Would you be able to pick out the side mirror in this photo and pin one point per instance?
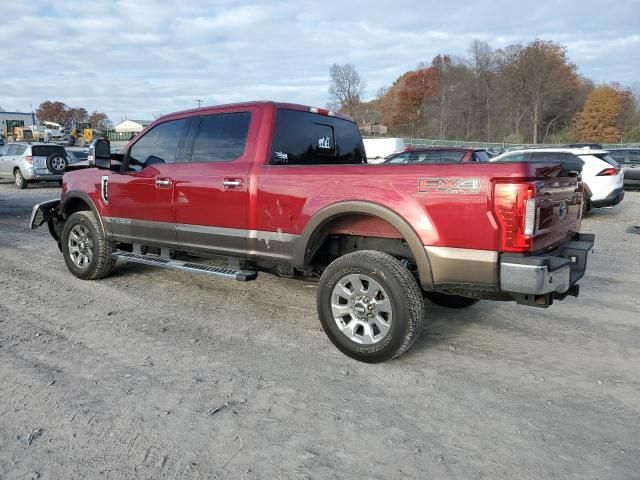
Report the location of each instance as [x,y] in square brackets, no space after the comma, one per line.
[100,154]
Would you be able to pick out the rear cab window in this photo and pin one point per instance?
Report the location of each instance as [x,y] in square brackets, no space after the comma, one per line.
[306,138]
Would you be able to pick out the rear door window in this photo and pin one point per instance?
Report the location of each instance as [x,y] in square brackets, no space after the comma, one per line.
[13,149]
[514,157]
[437,156]
[451,156]
[634,156]
[221,137]
[306,138]
[399,158]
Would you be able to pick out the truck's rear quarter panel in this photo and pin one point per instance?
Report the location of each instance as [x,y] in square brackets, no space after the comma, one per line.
[447,205]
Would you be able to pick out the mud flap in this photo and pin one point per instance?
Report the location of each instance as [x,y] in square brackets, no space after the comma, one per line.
[48,212]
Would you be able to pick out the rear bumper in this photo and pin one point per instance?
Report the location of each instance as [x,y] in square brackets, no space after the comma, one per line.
[538,280]
[610,200]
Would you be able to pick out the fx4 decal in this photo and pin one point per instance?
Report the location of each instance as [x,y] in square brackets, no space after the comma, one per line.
[454,186]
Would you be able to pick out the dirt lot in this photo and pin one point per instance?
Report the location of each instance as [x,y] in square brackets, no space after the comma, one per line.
[160,374]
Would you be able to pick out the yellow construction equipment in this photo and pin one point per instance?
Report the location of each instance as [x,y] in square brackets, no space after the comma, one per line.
[12,129]
[81,134]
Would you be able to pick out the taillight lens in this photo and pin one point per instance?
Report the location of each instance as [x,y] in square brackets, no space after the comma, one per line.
[515,209]
[29,159]
[607,172]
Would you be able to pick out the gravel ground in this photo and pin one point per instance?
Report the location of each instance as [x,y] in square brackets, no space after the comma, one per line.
[160,374]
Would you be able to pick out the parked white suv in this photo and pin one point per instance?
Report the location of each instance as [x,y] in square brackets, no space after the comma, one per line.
[602,175]
[26,162]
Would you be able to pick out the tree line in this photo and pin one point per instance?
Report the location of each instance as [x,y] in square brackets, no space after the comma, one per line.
[66,116]
[528,93]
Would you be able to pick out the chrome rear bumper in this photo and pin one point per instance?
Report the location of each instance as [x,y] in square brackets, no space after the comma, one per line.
[552,275]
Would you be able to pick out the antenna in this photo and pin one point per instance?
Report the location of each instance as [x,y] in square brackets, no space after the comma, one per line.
[198,101]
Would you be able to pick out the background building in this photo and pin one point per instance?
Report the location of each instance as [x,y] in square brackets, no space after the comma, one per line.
[131,126]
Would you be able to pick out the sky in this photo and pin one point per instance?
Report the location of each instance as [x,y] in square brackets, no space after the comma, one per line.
[139,59]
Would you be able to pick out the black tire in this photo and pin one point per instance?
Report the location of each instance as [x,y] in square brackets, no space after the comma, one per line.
[19,180]
[450,301]
[400,288]
[57,163]
[101,262]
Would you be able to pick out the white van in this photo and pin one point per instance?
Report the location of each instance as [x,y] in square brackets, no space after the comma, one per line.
[380,148]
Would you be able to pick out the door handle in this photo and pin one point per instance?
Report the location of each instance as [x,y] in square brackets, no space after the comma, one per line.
[232,183]
[163,183]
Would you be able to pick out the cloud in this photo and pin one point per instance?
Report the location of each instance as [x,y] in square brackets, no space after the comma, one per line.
[142,58]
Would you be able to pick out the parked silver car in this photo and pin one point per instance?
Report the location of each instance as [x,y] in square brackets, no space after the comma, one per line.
[33,162]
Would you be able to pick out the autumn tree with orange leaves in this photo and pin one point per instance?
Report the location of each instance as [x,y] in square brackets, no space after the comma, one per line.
[600,119]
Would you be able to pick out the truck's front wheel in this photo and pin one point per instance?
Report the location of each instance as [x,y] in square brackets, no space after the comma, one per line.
[86,251]
[370,306]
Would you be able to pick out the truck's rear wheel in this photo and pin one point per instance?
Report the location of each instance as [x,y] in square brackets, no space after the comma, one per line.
[450,301]
[370,306]
[86,251]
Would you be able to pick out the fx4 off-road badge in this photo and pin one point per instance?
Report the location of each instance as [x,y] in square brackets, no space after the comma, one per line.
[454,186]
[104,188]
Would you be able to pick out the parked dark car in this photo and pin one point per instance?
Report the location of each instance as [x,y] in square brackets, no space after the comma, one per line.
[2,142]
[439,155]
[629,159]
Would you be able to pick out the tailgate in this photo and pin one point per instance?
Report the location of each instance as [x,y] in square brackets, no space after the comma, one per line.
[558,206]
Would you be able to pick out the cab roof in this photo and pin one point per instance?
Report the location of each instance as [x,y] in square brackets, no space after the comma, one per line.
[260,103]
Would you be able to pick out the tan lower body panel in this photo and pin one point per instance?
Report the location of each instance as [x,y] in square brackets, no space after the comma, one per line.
[463,265]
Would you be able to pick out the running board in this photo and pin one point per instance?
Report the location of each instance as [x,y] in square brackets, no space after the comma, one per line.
[156,261]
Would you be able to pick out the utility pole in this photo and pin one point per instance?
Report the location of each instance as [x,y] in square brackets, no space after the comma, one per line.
[199,102]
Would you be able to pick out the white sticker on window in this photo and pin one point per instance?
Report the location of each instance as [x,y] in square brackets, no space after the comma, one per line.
[324,142]
[282,157]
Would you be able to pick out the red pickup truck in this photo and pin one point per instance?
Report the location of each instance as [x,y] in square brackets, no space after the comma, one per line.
[285,188]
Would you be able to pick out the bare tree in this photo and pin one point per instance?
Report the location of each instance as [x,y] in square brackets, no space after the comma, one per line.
[345,87]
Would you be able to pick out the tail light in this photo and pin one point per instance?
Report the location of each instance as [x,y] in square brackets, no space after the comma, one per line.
[322,111]
[515,209]
[607,172]
[29,159]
